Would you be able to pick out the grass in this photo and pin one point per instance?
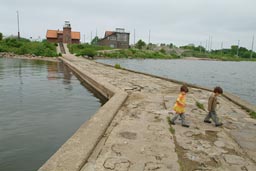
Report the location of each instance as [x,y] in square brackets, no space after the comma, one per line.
[118,66]
[253,114]
[200,105]
[171,129]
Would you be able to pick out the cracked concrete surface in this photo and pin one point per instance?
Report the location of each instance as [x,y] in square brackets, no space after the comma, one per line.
[139,139]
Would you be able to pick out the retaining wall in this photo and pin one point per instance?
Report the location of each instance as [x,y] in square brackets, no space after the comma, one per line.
[74,153]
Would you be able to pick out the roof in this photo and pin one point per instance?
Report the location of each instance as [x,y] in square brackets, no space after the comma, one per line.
[75,35]
[108,33]
[54,33]
[51,33]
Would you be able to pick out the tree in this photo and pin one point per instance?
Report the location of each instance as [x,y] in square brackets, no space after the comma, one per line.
[140,44]
[1,36]
[171,45]
[95,40]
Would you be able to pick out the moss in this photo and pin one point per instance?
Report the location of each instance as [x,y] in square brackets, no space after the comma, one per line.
[171,129]
[200,105]
[253,114]
[117,66]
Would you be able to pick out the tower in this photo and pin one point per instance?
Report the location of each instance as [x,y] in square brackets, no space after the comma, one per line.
[67,33]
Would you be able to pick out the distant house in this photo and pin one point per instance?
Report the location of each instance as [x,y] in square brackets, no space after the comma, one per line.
[115,39]
[65,36]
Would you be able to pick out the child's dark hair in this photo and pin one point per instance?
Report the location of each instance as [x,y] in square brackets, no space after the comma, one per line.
[218,90]
[184,88]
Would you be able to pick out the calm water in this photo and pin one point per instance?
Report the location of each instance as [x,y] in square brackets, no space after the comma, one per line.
[236,77]
[42,105]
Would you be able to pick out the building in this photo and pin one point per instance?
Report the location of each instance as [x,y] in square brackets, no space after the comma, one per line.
[64,36]
[115,39]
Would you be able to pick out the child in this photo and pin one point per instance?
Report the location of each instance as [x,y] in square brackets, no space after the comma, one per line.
[212,104]
[179,106]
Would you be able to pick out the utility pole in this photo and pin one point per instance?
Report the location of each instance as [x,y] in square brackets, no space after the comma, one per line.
[205,46]
[133,36]
[149,36]
[84,38]
[238,48]
[91,36]
[221,48]
[200,46]
[252,45]
[18,21]
[209,44]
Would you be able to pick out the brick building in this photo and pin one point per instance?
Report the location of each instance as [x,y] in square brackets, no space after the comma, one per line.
[115,39]
[64,36]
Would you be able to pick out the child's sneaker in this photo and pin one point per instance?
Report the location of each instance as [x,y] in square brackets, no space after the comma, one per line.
[218,124]
[173,123]
[207,121]
[185,125]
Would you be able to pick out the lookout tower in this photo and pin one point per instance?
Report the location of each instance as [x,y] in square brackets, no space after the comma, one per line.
[67,32]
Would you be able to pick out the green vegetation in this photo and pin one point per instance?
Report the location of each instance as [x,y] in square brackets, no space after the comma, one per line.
[200,105]
[136,53]
[117,66]
[232,54]
[140,44]
[162,51]
[95,40]
[253,114]
[24,46]
[171,129]
[85,49]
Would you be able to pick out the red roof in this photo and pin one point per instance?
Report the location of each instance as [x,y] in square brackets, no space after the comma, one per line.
[108,33]
[75,35]
[53,34]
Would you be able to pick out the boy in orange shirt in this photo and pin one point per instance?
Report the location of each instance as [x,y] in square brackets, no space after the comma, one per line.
[179,106]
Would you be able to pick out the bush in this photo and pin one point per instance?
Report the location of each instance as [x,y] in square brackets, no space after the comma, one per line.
[88,52]
[117,66]
[24,46]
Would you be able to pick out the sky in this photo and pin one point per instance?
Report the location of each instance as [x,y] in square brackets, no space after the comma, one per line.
[221,22]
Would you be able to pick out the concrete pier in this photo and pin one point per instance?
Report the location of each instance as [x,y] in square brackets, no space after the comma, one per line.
[131,132]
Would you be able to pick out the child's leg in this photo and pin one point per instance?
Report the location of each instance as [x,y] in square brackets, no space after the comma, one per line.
[175,117]
[215,119]
[183,122]
[208,117]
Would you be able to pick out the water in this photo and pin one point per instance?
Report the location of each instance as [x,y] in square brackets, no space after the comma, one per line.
[42,105]
[236,77]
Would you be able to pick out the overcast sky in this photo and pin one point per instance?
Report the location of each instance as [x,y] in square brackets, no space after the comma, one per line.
[166,21]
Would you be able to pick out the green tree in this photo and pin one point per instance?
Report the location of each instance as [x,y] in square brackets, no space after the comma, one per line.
[1,36]
[140,44]
[95,40]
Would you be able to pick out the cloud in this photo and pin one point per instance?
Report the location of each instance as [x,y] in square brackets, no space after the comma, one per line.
[177,21]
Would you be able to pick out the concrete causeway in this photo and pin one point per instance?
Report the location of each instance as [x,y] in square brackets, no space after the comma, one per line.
[131,132]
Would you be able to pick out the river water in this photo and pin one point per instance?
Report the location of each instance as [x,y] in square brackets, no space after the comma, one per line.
[238,78]
[42,105]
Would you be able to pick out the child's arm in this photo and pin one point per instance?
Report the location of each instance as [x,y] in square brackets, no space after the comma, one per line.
[180,101]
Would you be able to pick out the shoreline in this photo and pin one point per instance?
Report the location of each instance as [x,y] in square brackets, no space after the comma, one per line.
[31,57]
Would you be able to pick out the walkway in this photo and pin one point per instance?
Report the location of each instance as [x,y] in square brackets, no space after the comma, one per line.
[140,138]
